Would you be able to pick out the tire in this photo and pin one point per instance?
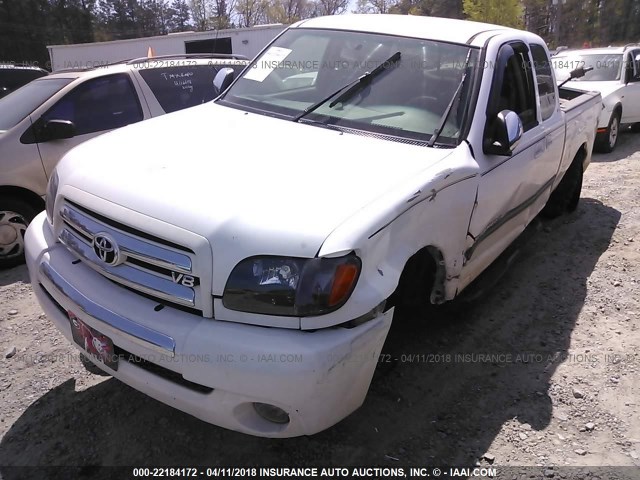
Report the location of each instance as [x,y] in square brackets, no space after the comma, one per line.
[15,216]
[566,196]
[607,141]
[413,295]
[90,367]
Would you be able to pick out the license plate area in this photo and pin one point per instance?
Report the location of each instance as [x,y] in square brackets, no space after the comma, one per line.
[95,343]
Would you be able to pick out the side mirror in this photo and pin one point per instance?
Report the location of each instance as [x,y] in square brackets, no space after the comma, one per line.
[507,133]
[223,79]
[57,130]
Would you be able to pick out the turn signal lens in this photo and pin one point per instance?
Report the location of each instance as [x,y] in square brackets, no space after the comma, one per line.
[343,281]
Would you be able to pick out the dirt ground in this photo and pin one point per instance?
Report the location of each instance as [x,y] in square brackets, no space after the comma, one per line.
[564,322]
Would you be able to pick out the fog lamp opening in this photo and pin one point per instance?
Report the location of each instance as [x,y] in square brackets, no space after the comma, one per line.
[271,413]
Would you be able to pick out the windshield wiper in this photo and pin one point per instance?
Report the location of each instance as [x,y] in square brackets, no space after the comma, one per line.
[447,112]
[353,87]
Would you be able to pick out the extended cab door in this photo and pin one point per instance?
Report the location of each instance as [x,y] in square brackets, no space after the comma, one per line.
[513,187]
[95,106]
[551,119]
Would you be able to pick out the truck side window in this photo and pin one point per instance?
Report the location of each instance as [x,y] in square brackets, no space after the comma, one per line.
[517,92]
[544,78]
[102,103]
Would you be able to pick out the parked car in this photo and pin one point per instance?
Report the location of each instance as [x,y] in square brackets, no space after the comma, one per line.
[14,76]
[255,290]
[43,120]
[616,75]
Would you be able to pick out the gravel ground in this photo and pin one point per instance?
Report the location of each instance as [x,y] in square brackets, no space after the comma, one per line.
[563,391]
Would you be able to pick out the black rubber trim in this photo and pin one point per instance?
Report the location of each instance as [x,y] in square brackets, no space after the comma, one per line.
[514,212]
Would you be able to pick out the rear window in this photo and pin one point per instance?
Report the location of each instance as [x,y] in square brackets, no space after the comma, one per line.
[13,78]
[183,86]
[606,67]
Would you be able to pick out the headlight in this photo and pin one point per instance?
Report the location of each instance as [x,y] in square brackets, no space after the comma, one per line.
[52,191]
[290,286]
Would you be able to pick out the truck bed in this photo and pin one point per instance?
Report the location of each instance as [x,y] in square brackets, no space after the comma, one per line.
[581,110]
[571,98]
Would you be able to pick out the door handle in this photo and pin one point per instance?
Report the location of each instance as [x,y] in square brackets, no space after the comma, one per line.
[539,151]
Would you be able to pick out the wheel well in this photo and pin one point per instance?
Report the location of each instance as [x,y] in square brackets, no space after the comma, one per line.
[22,193]
[618,109]
[581,155]
[424,272]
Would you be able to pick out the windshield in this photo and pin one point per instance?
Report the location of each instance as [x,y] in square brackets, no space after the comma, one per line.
[406,99]
[17,105]
[606,67]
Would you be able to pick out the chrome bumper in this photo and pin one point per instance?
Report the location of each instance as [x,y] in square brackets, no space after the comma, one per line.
[111,323]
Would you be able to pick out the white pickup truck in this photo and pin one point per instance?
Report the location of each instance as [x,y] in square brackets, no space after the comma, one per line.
[242,260]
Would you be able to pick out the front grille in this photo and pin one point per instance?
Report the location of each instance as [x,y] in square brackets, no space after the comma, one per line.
[155,267]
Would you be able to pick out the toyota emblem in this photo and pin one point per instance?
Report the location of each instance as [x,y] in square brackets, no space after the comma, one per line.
[106,249]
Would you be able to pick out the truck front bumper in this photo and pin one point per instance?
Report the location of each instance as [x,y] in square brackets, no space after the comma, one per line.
[214,370]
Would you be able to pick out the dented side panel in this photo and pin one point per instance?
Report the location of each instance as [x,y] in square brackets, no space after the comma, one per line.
[432,209]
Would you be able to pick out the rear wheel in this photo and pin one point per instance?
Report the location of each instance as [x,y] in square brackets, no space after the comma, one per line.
[608,140]
[15,216]
[566,196]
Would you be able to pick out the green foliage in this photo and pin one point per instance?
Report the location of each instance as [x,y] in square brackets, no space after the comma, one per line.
[432,8]
[374,6]
[499,12]
[28,26]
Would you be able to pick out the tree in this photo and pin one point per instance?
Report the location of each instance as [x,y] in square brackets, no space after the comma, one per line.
[288,11]
[153,17]
[178,16]
[250,12]
[499,12]
[432,8]
[374,6]
[200,14]
[537,16]
[221,14]
[330,7]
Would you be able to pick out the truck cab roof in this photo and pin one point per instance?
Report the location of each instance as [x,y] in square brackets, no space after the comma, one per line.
[444,29]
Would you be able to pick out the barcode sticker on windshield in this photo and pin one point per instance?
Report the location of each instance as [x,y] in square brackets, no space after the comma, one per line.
[267,63]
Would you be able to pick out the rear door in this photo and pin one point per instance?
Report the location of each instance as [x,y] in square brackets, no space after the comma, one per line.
[551,119]
[95,106]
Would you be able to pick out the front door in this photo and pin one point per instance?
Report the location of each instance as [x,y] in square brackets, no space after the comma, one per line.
[95,107]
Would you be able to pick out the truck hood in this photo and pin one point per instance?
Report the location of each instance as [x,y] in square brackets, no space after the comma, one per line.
[229,175]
